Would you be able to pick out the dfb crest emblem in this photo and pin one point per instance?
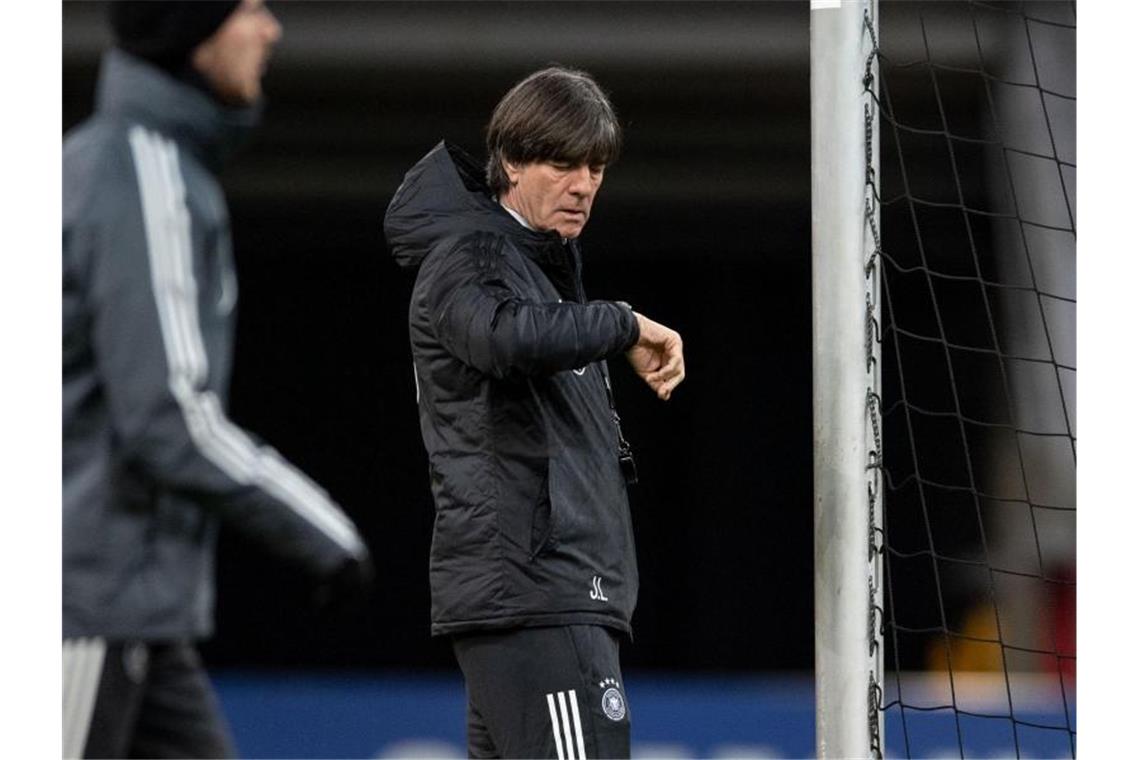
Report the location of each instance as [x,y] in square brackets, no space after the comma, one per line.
[613,703]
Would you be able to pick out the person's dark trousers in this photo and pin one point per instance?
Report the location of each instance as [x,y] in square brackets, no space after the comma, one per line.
[552,692]
[139,699]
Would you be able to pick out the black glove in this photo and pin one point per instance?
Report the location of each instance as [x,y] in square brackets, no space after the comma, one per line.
[346,589]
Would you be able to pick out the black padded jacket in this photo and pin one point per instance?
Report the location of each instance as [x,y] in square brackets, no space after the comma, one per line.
[532,522]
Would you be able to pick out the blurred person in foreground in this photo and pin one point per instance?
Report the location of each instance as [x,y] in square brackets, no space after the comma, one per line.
[533,571]
[151,464]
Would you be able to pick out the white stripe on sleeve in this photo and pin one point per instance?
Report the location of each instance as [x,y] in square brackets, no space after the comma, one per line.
[169,247]
[185,287]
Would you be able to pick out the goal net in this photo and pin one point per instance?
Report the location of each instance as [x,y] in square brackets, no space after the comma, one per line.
[975,256]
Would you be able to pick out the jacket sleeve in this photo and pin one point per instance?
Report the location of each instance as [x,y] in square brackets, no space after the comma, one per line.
[153,365]
[481,321]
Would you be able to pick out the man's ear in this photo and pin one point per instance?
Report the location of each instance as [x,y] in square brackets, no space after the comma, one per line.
[512,171]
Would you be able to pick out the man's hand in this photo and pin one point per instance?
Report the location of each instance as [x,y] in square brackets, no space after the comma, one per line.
[657,357]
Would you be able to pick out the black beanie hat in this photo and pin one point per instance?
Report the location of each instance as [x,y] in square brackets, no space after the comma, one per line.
[165,32]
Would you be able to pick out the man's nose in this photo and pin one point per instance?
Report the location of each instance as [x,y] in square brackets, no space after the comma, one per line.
[272,27]
[581,183]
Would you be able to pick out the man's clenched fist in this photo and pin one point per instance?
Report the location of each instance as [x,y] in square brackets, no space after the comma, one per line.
[657,356]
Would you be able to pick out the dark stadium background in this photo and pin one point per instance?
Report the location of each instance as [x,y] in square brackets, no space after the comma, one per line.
[704,224]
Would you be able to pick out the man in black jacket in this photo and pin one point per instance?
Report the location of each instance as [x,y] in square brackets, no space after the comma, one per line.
[533,570]
[152,466]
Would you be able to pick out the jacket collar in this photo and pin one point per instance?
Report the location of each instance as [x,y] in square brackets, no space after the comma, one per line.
[132,88]
[545,247]
[444,196]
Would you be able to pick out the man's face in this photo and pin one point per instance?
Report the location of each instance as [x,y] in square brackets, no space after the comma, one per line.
[234,58]
[553,195]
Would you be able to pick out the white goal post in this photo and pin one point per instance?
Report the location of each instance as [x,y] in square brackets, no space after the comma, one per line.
[845,379]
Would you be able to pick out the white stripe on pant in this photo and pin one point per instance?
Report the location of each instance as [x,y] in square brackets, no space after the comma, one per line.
[577,725]
[82,669]
[572,732]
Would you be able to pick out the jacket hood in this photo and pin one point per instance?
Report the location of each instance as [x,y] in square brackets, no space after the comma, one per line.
[445,195]
[134,89]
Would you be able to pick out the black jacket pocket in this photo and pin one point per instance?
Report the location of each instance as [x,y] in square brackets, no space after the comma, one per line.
[542,522]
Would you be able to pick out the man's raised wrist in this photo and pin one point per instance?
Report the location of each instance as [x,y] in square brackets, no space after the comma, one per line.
[636,325]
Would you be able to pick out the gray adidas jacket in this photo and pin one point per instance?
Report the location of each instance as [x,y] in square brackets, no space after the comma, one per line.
[151,464]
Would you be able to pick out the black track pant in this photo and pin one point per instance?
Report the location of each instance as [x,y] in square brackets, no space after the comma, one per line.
[139,699]
[544,693]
